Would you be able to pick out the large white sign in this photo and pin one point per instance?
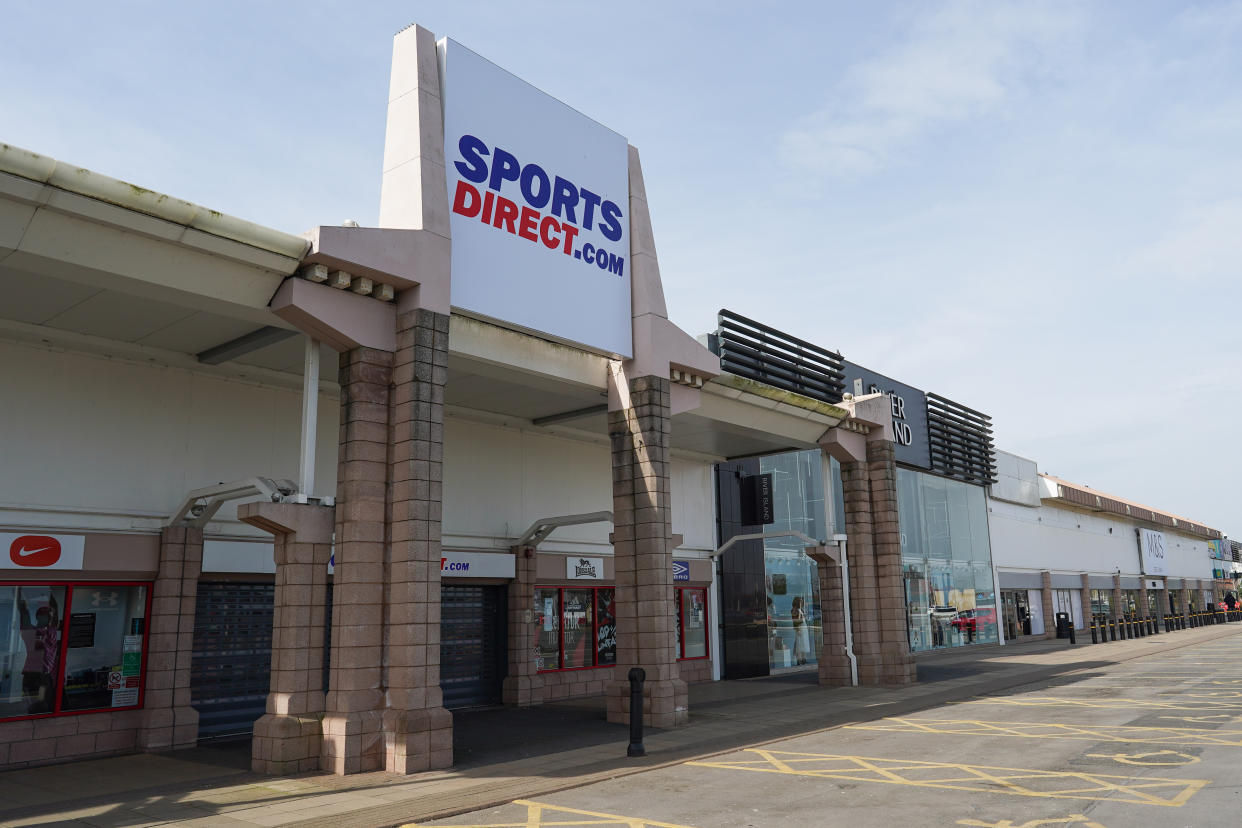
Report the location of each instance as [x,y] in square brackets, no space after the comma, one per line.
[1154,560]
[477,565]
[539,207]
[33,551]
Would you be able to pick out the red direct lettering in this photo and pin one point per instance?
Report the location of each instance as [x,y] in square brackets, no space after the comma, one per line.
[526,227]
[506,213]
[466,201]
[570,232]
[546,228]
[489,200]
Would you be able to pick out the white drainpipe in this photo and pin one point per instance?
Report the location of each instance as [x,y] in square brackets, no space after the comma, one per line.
[845,599]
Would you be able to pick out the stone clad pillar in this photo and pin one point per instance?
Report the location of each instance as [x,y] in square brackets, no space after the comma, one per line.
[352,739]
[1050,616]
[418,730]
[1119,611]
[896,663]
[1086,601]
[168,720]
[642,546]
[288,737]
[834,664]
[523,686]
[864,599]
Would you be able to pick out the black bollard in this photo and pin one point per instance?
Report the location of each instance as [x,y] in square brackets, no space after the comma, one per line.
[1070,627]
[637,676]
[1094,638]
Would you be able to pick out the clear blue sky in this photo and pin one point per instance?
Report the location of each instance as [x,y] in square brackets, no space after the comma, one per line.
[1033,208]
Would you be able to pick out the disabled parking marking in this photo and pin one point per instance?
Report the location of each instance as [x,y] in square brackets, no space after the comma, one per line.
[1171,758]
[1172,793]
[535,818]
[1008,823]
[1058,730]
[1111,704]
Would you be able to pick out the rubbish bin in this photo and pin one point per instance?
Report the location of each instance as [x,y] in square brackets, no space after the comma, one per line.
[1064,625]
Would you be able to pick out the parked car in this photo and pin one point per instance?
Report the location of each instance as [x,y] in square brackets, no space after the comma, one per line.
[972,620]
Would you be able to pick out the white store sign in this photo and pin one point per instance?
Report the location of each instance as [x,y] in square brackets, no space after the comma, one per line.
[33,551]
[539,207]
[588,569]
[1152,545]
[477,565]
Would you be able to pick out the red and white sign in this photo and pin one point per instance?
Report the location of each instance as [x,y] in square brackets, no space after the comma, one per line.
[115,680]
[41,551]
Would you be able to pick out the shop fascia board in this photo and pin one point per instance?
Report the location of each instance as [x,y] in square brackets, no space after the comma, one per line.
[521,353]
[732,407]
[130,200]
[40,336]
[106,257]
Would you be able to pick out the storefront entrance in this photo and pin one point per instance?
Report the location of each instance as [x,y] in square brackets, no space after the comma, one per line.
[232,658]
[1017,609]
[473,646]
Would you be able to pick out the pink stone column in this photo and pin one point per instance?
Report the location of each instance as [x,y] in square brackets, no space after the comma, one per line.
[642,548]
[1118,610]
[1050,616]
[523,686]
[352,733]
[834,665]
[288,737]
[897,665]
[168,720]
[1085,580]
[418,730]
[864,597]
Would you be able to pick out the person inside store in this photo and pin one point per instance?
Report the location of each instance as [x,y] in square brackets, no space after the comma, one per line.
[42,640]
[1231,601]
[802,635]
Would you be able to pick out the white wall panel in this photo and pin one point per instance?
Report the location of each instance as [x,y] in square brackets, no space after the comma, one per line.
[1048,537]
[107,436]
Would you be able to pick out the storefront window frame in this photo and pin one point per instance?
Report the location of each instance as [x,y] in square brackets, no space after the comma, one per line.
[681,624]
[69,586]
[560,626]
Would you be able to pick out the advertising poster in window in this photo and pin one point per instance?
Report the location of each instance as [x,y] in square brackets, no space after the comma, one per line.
[606,635]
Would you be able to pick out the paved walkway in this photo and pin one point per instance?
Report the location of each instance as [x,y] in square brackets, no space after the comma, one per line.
[510,754]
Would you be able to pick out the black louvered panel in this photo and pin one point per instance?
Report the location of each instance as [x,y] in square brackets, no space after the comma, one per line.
[473,649]
[232,656]
[960,440]
[756,352]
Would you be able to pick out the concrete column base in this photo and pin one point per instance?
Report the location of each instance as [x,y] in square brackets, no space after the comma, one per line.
[284,745]
[168,728]
[834,671]
[417,740]
[352,743]
[522,691]
[666,703]
[897,666]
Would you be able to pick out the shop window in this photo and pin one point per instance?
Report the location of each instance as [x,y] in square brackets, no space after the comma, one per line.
[71,648]
[691,628]
[576,628]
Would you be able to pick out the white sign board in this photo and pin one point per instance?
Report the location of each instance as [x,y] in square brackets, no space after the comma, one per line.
[31,551]
[1154,585]
[477,565]
[539,207]
[589,569]
[1152,545]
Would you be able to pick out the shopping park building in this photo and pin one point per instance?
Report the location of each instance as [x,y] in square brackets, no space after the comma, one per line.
[329,488]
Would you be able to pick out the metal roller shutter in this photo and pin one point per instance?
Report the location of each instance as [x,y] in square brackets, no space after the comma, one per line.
[232,656]
[473,649]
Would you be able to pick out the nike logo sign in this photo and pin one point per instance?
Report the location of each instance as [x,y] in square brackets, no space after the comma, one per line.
[24,553]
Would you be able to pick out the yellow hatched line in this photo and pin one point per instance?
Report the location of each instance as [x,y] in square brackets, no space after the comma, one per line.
[976,778]
[1030,730]
[535,818]
[1051,701]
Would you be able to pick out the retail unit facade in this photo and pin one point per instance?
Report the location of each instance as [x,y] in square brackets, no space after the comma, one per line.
[936,589]
[327,485]
[1060,547]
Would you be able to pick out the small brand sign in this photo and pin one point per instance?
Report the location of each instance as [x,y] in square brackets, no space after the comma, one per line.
[589,569]
[681,570]
[476,565]
[41,551]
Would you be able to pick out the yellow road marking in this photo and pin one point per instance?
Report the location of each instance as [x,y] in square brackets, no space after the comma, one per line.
[1007,823]
[535,818]
[1120,704]
[975,778]
[1228,717]
[1041,730]
[1137,758]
